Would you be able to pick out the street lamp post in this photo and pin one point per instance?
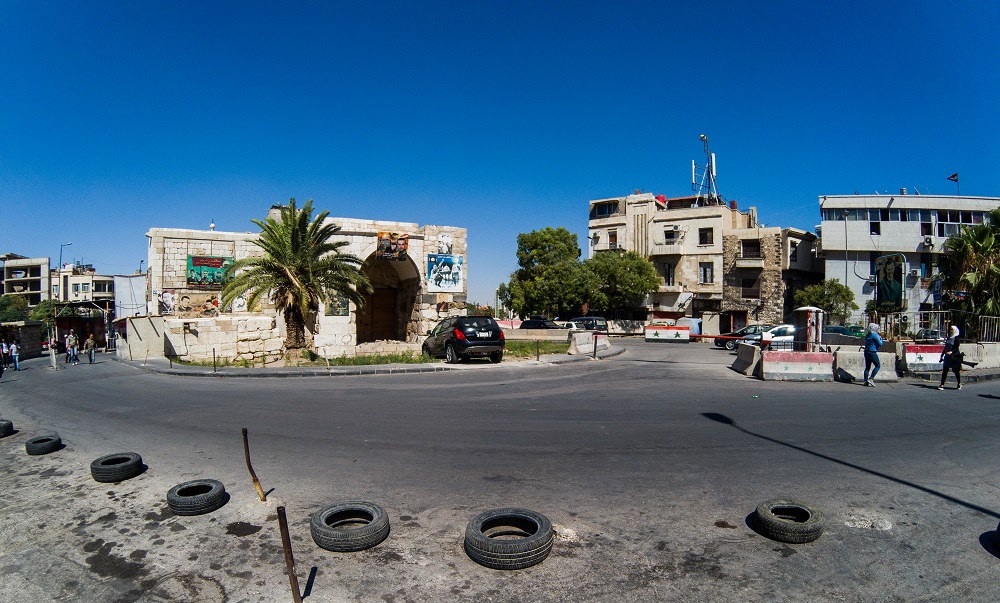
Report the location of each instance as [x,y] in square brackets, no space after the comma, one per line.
[62,293]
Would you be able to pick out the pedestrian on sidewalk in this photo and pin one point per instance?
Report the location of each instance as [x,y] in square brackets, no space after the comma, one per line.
[15,352]
[952,357]
[4,354]
[90,347]
[873,341]
[71,346]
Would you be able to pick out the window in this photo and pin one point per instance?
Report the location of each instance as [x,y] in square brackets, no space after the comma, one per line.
[76,288]
[875,228]
[794,256]
[55,290]
[603,210]
[668,274]
[85,287]
[612,239]
[706,236]
[926,265]
[926,229]
[872,256]
[669,235]
[706,274]
[750,288]
[751,249]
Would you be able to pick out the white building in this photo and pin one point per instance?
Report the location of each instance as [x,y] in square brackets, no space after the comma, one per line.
[25,276]
[857,229]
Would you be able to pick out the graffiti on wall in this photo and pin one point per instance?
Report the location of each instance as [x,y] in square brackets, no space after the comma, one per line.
[205,272]
[445,272]
[392,246]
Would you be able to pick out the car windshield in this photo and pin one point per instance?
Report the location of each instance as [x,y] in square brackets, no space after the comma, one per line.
[476,322]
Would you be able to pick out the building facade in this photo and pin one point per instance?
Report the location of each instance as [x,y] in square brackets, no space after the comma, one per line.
[80,282]
[418,275]
[857,229]
[25,276]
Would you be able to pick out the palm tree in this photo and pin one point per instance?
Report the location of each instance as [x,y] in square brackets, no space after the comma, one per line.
[972,264]
[301,266]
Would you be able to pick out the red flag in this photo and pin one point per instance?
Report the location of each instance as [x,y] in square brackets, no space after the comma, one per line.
[953,177]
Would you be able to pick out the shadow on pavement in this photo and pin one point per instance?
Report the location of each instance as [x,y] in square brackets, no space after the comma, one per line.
[990,541]
[309,583]
[720,418]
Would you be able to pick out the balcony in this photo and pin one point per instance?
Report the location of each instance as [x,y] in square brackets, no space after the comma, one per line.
[750,292]
[750,259]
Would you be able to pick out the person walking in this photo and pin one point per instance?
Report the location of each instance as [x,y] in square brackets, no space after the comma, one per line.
[4,354]
[71,345]
[15,352]
[952,357]
[90,347]
[873,341]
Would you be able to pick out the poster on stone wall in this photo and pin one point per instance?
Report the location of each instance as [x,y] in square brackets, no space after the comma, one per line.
[445,243]
[337,305]
[167,300]
[445,272]
[205,272]
[392,246]
[193,304]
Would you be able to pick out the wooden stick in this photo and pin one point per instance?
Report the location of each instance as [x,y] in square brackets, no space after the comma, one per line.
[286,543]
[246,453]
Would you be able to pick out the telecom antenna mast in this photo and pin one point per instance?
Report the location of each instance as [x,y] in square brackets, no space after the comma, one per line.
[703,179]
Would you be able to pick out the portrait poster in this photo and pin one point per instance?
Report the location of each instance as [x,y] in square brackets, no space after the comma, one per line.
[197,305]
[445,243]
[392,245]
[167,299]
[337,305]
[445,273]
[889,270]
[205,272]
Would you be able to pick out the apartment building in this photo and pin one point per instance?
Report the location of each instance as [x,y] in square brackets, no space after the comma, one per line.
[857,229]
[80,282]
[25,276]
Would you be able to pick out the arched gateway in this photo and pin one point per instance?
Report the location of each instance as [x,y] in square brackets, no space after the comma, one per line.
[389,308]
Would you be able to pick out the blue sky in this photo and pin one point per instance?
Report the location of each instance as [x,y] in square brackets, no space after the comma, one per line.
[500,117]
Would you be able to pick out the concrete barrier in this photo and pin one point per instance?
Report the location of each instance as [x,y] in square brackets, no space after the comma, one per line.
[747,360]
[675,334]
[850,366]
[582,343]
[537,334]
[797,366]
[922,357]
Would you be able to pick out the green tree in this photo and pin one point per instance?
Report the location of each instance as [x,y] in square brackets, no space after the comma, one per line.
[831,296]
[625,279]
[302,265]
[13,308]
[972,264]
[45,312]
[550,278]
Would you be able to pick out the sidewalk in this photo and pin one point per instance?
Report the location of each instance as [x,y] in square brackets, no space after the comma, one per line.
[969,376]
[164,366]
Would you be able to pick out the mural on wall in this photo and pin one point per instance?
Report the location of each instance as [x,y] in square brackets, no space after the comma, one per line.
[205,272]
[445,243]
[167,299]
[392,246]
[193,304]
[338,305]
[445,272]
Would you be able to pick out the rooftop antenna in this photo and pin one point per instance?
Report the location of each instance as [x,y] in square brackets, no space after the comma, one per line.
[703,179]
[212,225]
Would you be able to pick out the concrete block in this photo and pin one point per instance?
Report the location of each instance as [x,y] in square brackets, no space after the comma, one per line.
[747,360]
[797,366]
[849,366]
[922,357]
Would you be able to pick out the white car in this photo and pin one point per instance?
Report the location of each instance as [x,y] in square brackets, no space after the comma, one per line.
[778,337]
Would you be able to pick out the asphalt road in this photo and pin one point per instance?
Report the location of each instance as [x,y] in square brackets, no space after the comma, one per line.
[649,465]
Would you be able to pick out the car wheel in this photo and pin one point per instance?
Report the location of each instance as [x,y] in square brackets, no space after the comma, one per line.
[789,521]
[196,497]
[43,445]
[426,351]
[508,538]
[496,357]
[450,355]
[116,467]
[349,526]
[730,344]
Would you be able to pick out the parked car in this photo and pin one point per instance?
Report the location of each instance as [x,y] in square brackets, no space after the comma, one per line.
[730,344]
[592,323]
[837,329]
[780,336]
[459,338]
[856,330]
[543,323]
[928,336]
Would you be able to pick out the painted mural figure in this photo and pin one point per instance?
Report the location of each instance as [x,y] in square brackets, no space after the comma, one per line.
[445,272]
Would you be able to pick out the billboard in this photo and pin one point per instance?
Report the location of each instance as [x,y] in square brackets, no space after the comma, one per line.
[392,246]
[889,291]
[205,272]
[445,272]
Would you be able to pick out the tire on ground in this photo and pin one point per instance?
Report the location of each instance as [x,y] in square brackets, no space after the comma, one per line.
[509,538]
[450,355]
[789,521]
[196,497]
[6,428]
[116,467]
[349,526]
[43,444]
[496,357]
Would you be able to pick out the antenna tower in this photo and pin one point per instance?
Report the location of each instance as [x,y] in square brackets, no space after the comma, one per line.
[703,179]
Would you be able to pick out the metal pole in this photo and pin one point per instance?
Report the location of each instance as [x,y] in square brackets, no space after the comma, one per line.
[286,543]
[537,353]
[595,345]
[213,361]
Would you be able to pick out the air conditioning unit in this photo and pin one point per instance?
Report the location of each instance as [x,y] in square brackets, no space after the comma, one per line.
[928,241]
[914,273]
[675,227]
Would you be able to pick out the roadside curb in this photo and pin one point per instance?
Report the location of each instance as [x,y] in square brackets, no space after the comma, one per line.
[967,377]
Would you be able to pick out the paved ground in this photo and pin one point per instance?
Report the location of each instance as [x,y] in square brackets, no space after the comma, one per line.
[648,463]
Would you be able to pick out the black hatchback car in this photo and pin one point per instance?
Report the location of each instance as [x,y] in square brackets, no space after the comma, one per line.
[461,337]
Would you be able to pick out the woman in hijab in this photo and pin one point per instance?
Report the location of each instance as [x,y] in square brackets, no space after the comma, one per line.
[872,343]
[952,358]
